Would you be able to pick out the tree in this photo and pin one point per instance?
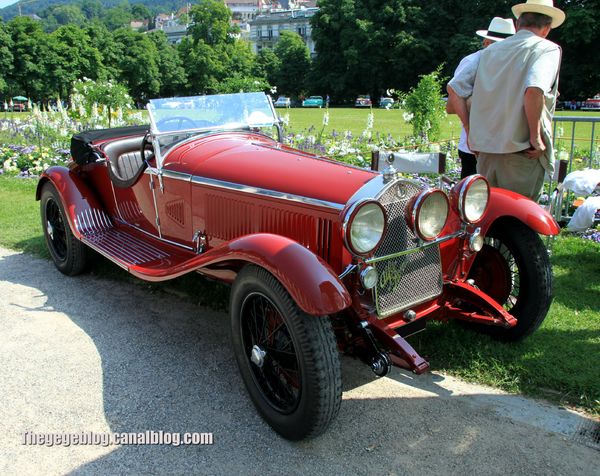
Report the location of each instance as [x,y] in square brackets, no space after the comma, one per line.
[266,65]
[138,63]
[6,57]
[173,77]
[139,11]
[211,23]
[294,58]
[68,15]
[71,56]
[91,8]
[368,46]
[103,41]
[117,17]
[211,53]
[28,75]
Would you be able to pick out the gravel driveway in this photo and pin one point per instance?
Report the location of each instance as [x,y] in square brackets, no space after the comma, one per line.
[86,354]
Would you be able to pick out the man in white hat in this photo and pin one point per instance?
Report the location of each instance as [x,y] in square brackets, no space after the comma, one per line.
[514,91]
[499,29]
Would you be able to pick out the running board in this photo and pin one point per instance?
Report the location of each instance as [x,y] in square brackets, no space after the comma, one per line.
[143,255]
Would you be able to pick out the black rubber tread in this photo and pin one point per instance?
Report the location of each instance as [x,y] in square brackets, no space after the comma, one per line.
[317,353]
[77,253]
[535,293]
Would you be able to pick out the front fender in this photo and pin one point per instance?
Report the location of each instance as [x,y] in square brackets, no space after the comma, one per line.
[505,203]
[77,198]
[308,279]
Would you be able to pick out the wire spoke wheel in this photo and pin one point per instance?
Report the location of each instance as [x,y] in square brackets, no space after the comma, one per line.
[513,267]
[277,370]
[55,230]
[68,253]
[288,359]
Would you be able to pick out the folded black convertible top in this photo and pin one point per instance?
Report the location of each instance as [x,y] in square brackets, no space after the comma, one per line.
[81,149]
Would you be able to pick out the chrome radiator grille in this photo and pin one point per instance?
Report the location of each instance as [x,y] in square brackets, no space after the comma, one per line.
[410,279]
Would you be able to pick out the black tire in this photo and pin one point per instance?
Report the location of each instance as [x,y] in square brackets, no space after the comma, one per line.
[298,386]
[68,253]
[514,268]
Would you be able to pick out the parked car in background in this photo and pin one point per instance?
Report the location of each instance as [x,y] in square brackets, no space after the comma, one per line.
[313,101]
[363,101]
[283,101]
[386,102]
[322,257]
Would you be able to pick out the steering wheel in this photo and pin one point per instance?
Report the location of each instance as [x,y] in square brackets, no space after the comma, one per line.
[177,123]
[145,143]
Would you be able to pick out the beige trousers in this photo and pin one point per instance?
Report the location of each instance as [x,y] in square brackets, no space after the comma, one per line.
[515,172]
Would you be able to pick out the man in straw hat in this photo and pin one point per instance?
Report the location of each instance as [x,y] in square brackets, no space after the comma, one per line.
[499,29]
[514,91]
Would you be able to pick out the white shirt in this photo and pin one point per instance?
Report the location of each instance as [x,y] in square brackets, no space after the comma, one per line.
[468,66]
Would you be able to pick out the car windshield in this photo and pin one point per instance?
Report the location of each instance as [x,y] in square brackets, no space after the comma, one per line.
[173,120]
[209,113]
[318,98]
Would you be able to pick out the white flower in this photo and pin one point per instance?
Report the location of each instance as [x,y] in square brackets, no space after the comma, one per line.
[286,120]
[407,116]
[274,90]
[370,120]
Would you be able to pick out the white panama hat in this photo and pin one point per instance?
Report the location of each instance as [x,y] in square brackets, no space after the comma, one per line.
[499,29]
[545,7]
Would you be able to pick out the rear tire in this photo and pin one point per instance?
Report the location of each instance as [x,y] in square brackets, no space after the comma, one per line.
[68,253]
[514,268]
[288,360]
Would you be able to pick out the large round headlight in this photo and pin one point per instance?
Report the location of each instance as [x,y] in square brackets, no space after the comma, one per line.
[471,195]
[364,227]
[429,214]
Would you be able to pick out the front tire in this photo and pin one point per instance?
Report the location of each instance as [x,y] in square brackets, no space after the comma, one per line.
[288,360]
[514,268]
[68,253]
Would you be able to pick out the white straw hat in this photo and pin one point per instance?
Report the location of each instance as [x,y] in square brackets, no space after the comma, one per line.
[546,7]
[499,29]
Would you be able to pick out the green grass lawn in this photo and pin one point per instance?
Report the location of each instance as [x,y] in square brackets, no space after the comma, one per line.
[392,122]
[559,362]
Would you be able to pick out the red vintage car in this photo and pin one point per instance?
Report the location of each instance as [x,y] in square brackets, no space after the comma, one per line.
[321,257]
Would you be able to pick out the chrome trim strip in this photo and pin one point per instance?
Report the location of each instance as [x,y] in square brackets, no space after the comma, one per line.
[376,187]
[349,269]
[414,250]
[265,192]
[172,174]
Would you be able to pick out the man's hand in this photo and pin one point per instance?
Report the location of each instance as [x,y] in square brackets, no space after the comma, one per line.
[537,148]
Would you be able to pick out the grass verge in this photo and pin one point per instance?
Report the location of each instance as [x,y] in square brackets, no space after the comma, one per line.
[559,362]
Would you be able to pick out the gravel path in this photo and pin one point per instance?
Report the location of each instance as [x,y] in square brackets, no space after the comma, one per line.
[85,354]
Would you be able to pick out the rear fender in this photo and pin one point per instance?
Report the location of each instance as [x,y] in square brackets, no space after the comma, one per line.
[77,198]
[504,203]
[308,279]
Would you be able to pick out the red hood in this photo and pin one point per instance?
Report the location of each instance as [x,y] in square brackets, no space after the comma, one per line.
[256,161]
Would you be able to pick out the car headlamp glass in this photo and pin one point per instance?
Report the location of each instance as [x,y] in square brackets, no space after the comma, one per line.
[430,213]
[473,198]
[365,228]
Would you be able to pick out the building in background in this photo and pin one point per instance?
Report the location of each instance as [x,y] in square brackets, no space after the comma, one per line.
[266,27]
